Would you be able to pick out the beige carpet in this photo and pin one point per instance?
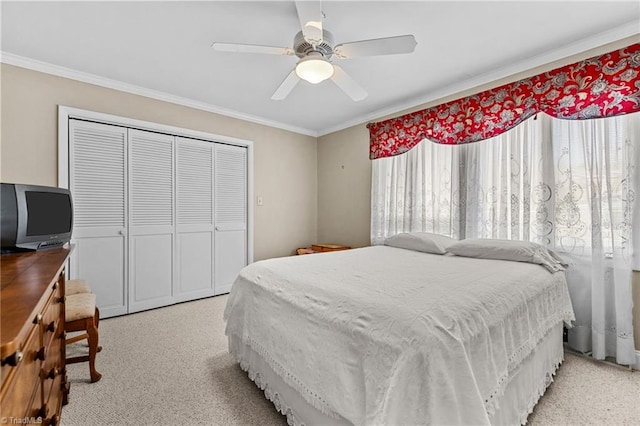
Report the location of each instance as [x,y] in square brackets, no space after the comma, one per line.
[170,366]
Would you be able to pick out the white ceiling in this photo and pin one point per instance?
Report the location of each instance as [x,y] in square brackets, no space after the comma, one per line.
[165,47]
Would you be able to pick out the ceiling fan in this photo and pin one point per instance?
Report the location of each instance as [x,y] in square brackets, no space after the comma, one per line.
[314,46]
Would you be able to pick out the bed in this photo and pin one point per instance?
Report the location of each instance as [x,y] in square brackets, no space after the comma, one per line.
[386,335]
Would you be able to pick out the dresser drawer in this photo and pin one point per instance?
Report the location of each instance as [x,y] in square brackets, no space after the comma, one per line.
[35,408]
[53,404]
[52,367]
[23,380]
[51,320]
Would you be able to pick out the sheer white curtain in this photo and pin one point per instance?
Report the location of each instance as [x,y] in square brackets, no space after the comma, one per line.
[594,162]
[569,185]
[508,185]
[417,191]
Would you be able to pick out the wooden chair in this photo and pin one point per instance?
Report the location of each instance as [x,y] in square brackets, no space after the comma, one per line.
[81,314]
[80,286]
[72,287]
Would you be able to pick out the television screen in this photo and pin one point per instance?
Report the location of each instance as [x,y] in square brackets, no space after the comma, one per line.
[48,213]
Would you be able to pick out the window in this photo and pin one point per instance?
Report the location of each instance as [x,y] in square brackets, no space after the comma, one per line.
[565,184]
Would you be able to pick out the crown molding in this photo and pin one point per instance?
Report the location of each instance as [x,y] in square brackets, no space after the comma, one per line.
[623,31]
[610,36]
[45,67]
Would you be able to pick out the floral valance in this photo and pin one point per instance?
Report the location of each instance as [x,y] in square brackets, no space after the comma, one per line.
[598,87]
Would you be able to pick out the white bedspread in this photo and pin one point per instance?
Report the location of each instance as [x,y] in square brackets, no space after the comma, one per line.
[382,335]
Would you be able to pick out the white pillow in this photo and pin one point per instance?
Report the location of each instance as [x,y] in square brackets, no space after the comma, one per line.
[420,241]
[518,251]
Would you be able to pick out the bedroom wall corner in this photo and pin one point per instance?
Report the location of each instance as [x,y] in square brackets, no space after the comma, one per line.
[285,163]
[344,195]
[344,187]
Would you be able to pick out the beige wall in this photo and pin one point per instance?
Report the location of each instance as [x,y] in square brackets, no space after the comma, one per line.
[285,163]
[344,198]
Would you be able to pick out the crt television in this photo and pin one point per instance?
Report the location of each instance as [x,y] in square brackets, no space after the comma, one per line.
[34,217]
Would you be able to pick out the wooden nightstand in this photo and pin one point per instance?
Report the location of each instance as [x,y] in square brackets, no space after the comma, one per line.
[321,248]
[328,247]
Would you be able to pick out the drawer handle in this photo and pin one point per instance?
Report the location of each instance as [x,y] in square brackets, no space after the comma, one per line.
[13,359]
[41,355]
[55,285]
[55,420]
[51,327]
[38,319]
[44,410]
[53,373]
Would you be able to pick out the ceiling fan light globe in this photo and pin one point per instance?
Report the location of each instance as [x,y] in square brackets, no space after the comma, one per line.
[314,70]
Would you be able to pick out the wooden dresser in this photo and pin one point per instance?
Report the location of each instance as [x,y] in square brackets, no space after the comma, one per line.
[34,381]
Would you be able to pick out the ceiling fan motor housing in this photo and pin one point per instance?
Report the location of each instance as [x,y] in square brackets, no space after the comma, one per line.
[303,48]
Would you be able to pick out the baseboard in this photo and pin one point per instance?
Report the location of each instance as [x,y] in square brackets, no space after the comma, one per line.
[609,360]
[222,290]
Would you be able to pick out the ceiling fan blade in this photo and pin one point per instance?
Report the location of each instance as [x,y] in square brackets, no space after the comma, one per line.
[347,84]
[310,16]
[379,46]
[286,86]
[251,48]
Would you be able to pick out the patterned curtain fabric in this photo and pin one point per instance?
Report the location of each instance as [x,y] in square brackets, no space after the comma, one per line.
[602,86]
[569,185]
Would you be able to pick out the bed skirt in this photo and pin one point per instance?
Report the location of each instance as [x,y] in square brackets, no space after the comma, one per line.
[526,384]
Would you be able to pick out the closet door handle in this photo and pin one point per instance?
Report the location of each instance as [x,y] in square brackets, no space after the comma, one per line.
[122,232]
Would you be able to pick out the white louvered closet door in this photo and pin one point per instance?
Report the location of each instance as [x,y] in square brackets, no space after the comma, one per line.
[230,214]
[151,220]
[97,176]
[194,219]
